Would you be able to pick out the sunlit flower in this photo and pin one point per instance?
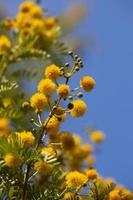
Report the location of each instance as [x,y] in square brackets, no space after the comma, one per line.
[67,141]
[75,179]
[87,83]
[52,125]
[79,108]
[42,167]
[5,44]
[27,138]
[46,86]
[114,195]
[49,151]
[26,6]
[63,91]
[39,101]
[91,174]
[4,126]
[97,136]
[11,160]
[52,72]
[90,160]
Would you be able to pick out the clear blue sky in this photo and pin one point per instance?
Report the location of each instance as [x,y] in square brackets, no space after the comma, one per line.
[110,105]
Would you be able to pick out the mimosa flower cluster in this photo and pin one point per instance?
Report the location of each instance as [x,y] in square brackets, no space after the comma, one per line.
[38,158]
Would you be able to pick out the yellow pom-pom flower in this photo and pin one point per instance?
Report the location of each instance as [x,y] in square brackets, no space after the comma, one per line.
[4,126]
[42,167]
[90,160]
[49,151]
[11,160]
[75,179]
[5,44]
[67,141]
[50,22]
[52,126]
[26,6]
[39,101]
[79,108]
[87,83]
[63,91]
[114,195]
[91,174]
[36,12]
[27,138]
[52,72]
[46,86]
[97,137]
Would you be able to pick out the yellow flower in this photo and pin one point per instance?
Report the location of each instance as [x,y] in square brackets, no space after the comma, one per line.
[50,151]
[27,138]
[52,72]
[87,83]
[72,196]
[46,86]
[90,160]
[67,141]
[36,12]
[52,126]
[63,91]
[126,194]
[26,6]
[39,101]
[5,44]
[50,22]
[81,152]
[97,136]
[75,179]
[4,126]
[36,25]
[91,174]
[86,149]
[42,167]
[79,108]
[114,195]
[11,160]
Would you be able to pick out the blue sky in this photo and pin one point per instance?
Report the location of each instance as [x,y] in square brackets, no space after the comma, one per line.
[110,105]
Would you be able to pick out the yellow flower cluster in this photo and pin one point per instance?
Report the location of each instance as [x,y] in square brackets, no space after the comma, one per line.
[39,102]
[11,160]
[75,179]
[42,167]
[120,193]
[5,44]
[31,20]
[27,138]
[4,127]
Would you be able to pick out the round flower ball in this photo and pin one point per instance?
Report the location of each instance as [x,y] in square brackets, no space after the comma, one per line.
[11,160]
[39,101]
[97,136]
[63,91]
[87,83]
[79,108]
[52,72]
[75,179]
[27,138]
[5,44]
[46,86]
